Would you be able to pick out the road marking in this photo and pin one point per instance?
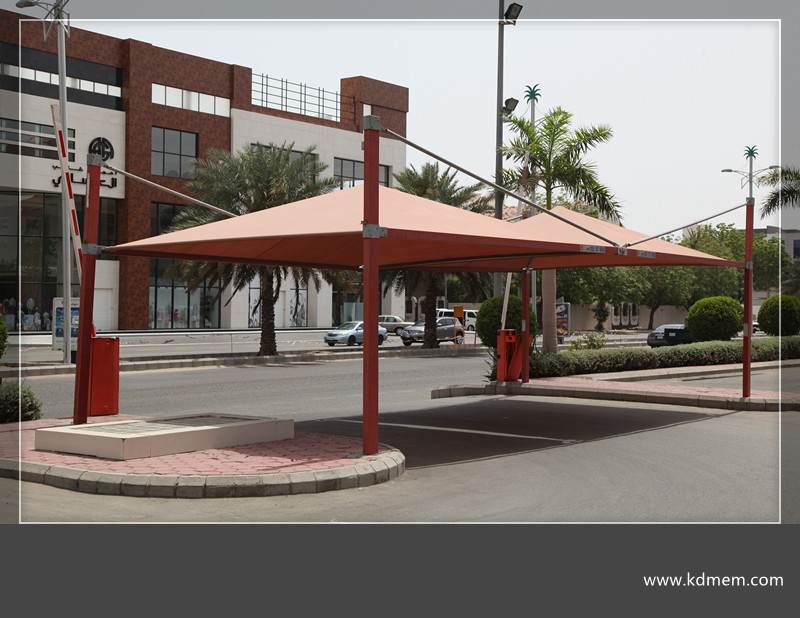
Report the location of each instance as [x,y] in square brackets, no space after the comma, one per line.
[475,431]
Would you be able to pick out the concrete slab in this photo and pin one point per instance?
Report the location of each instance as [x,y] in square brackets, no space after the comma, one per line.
[123,440]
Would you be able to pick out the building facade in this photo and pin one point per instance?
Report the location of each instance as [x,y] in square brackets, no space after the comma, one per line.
[151,112]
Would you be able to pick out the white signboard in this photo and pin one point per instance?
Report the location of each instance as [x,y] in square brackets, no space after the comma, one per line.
[58,323]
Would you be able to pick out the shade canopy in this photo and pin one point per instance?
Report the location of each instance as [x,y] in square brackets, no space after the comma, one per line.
[417,234]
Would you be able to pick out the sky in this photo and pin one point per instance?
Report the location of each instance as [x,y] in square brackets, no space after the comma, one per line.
[684,98]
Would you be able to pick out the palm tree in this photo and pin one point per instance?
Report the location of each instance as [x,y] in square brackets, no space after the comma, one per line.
[556,161]
[255,178]
[786,192]
[432,184]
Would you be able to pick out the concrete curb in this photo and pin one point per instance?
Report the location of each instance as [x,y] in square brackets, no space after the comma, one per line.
[159,363]
[618,394]
[366,471]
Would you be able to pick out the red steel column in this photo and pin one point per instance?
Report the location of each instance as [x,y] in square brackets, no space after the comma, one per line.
[371,282]
[525,339]
[91,218]
[748,298]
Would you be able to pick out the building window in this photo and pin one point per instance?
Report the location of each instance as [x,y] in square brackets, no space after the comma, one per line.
[30,229]
[31,139]
[298,304]
[191,100]
[173,153]
[351,173]
[45,77]
[796,249]
[172,305]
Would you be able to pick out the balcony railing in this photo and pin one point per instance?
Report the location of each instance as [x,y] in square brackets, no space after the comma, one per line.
[302,99]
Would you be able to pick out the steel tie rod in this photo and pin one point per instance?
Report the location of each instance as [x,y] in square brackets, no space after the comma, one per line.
[498,187]
[176,193]
[636,242]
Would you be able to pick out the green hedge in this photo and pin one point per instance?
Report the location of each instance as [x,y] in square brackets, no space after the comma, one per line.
[490,316]
[18,403]
[3,335]
[780,315]
[716,318]
[608,360]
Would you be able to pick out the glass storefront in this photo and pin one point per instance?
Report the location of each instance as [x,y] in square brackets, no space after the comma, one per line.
[171,303]
[31,270]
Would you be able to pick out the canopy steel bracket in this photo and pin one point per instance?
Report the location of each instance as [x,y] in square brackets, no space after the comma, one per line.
[371,230]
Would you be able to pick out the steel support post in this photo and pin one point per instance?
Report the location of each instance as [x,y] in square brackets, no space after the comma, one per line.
[525,339]
[747,338]
[371,283]
[91,220]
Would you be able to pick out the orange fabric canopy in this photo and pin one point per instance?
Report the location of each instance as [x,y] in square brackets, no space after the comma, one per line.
[420,234]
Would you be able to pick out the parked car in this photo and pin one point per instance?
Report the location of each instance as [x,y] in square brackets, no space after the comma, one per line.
[669,334]
[446,328]
[351,333]
[393,323]
[470,315]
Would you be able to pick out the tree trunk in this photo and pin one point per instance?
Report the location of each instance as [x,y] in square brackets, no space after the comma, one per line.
[431,340]
[549,334]
[269,345]
[652,315]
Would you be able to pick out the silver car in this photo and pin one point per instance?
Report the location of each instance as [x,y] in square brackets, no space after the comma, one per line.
[393,324]
[351,333]
[447,329]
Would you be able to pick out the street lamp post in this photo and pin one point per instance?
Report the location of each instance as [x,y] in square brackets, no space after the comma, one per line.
[507,17]
[750,153]
[56,13]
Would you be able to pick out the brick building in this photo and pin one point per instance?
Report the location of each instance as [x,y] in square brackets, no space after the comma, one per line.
[156,110]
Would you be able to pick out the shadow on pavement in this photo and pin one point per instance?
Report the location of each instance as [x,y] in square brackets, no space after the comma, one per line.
[498,427]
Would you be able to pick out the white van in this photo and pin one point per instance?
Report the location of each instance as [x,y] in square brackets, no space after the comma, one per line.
[469,317]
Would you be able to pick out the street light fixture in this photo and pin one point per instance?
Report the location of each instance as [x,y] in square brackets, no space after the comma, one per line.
[750,153]
[512,12]
[56,14]
[509,106]
[507,17]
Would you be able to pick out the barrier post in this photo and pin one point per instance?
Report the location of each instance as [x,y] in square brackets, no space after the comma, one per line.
[458,314]
[91,218]
[371,232]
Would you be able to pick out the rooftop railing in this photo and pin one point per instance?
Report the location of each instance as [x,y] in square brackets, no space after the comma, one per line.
[302,99]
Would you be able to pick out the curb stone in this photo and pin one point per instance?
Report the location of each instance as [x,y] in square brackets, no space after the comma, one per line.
[373,469]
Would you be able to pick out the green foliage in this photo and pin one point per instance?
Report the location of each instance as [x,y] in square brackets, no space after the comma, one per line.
[555,159]
[255,178]
[431,183]
[785,183]
[490,315]
[609,360]
[589,341]
[725,241]
[3,335]
[717,318]
[664,285]
[443,187]
[780,315]
[18,403]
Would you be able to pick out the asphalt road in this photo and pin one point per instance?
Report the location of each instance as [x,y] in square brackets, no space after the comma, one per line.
[481,459]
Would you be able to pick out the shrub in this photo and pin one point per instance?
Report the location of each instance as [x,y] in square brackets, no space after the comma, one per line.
[608,360]
[716,318]
[18,403]
[489,317]
[589,341]
[780,315]
[3,335]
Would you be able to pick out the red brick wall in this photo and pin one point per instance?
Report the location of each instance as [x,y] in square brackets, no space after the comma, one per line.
[388,101]
[142,65]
